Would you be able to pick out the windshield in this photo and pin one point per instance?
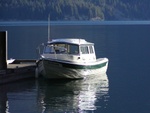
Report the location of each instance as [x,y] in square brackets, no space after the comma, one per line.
[49,49]
[62,49]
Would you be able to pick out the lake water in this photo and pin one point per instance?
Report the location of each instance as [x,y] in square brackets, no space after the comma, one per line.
[123,89]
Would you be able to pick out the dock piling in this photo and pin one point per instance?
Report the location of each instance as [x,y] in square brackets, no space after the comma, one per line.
[3,51]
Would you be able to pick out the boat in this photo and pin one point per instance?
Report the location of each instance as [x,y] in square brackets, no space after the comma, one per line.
[70,58]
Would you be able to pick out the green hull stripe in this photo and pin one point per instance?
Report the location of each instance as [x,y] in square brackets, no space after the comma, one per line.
[75,66]
[84,66]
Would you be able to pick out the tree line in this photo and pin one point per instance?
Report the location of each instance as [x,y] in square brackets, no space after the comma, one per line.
[75,9]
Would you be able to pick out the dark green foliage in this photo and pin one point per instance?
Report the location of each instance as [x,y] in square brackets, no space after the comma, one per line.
[75,9]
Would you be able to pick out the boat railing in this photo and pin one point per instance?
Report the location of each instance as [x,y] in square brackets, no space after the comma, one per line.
[39,49]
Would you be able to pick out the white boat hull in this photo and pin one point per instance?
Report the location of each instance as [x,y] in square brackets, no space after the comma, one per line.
[53,69]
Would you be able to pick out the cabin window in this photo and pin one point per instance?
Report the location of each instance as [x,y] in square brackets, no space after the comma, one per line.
[73,49]
[66,49]
[84,50]
[60,48]
[91,49]
[48,49]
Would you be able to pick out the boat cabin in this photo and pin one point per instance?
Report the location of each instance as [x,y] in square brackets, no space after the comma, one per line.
[74,50]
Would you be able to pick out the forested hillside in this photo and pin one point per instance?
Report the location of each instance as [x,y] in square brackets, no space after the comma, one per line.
[75,9]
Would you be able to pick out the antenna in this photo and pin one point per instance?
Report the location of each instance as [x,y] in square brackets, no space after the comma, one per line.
[49,28]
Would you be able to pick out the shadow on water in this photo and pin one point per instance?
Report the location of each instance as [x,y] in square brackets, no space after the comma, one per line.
[73,96]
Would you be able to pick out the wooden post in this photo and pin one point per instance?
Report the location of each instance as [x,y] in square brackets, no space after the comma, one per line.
[3,51]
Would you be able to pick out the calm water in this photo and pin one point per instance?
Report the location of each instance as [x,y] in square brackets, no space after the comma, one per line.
[124,89]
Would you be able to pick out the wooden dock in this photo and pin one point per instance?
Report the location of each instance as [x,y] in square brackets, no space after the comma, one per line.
[18,70]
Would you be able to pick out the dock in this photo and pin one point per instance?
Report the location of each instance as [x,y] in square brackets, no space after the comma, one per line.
[19,69]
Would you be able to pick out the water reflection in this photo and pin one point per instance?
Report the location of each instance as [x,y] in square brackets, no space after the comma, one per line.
[44,96]
[73,96]
[14,97]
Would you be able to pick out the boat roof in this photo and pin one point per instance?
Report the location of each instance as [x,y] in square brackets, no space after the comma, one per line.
[70,41]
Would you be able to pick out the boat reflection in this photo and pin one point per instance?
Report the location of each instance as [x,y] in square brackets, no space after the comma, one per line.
[73,96]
